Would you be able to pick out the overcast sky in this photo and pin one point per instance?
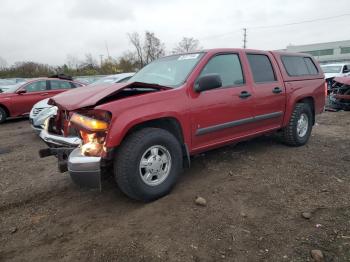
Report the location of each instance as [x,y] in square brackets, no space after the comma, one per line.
[47,31]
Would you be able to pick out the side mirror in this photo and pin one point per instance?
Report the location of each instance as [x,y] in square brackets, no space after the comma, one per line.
[21,92]
[346,70]
[207,82]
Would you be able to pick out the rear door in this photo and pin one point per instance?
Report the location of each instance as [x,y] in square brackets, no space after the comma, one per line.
[221,115]
[268,91]
[59,86]
[35,91]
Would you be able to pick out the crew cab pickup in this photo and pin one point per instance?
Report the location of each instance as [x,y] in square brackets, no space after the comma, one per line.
[144,131]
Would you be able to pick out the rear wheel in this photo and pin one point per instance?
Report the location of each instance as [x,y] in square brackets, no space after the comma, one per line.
[3,115]
[299,128]
[148,164]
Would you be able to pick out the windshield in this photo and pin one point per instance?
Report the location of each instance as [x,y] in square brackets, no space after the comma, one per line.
[10,89]
[169,71]
[5,82]
[331,69]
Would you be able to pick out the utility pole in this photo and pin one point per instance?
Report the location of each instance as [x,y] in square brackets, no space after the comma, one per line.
[101,60]
[108,56]
[244,37]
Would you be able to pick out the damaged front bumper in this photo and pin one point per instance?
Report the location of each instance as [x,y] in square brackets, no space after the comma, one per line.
[85,171]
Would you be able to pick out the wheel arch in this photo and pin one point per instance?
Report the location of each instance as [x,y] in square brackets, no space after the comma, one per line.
[170,124]
[291,103]
[5,109]
[311,101]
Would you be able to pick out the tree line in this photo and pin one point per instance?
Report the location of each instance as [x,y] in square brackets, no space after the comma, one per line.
[146,48]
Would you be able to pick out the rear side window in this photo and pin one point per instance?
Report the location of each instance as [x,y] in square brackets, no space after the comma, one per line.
[299,66]
[228,66]
[261,68]
[59,84]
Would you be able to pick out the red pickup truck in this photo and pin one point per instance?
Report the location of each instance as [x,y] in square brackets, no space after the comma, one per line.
[144,131]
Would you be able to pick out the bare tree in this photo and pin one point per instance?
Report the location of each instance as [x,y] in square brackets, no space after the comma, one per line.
[89,62]
[187,44]
[3,63]
[72,61]
[128,62]
[151,49]
[136,42]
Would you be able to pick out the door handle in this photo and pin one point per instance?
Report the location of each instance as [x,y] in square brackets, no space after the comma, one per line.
[44,94]
[277,90]
[244,94]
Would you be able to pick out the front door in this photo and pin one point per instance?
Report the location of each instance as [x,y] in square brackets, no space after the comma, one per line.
[34,92]
[221,115]
[59,86]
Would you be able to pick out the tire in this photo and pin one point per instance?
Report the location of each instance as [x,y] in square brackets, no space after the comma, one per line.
[3,115]
[133,176]
[294,134]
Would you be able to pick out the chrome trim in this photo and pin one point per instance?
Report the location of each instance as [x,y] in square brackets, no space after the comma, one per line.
[209,129]
[77,162]
[60,140]
[85,171]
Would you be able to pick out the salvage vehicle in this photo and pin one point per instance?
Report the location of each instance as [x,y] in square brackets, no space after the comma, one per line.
[42,110]
[334,70]
[144,131]
[19,99]
[339,99]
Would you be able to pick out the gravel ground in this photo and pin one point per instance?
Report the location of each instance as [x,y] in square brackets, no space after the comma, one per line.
[256,192]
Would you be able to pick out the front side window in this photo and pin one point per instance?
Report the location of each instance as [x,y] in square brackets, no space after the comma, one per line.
[261,68]
[171,71]
[228,66]
[36,86]
[57,84]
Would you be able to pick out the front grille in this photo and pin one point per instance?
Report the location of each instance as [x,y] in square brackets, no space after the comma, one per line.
[36,111]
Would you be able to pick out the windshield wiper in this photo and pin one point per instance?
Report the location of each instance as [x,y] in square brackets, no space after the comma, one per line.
[150,85]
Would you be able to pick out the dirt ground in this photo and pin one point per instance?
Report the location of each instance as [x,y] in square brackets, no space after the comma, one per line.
[256,192]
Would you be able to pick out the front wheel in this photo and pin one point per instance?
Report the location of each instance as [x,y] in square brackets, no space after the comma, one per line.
[299,128]
[148,164]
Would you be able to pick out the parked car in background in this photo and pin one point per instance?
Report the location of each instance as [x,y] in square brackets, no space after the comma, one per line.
[88,79]
[19,99]
[144,131]
[42,110]
[339,98]
[39,113]
[335,70]
[111,79]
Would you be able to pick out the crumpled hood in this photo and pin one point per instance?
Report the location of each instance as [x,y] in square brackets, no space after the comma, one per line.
[342,80]
[90,95]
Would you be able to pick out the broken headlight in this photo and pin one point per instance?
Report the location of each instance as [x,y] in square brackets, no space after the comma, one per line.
[92,126]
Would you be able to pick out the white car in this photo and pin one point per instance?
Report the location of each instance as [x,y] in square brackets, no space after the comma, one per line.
[42,110]
[335,70]
[39,113]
